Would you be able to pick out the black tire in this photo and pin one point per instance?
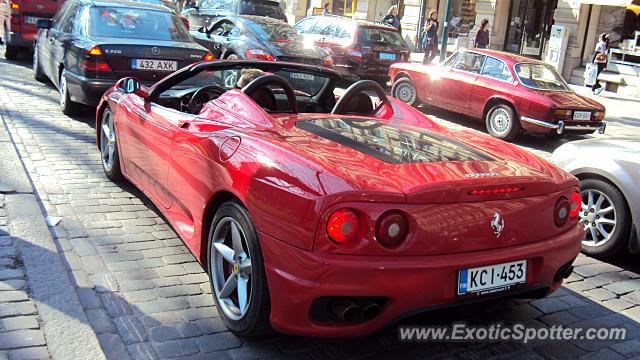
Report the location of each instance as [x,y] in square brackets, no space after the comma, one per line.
[502,123]
[37,70]
[619,240]
[67,106]
[11,52]
[255,322]
[404,90]
[113,172]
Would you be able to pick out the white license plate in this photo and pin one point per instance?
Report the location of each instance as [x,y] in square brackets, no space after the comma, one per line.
[32,20]
[155,65]
[302,76]
[493,278]
[387,56]
[582,115]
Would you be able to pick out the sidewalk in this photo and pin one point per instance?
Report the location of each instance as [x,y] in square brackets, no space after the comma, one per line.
[40,314]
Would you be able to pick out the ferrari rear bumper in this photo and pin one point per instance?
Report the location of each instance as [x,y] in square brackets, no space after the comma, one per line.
[561,127]
[407,284]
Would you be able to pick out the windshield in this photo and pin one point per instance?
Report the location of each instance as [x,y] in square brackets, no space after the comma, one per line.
[303,83]
[380,35]
[274,31]
[540,77]
[146,24]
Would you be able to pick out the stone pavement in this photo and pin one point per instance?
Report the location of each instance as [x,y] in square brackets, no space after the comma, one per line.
[145,297]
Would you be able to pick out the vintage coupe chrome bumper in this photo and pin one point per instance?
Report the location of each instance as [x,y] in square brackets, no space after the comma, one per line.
[560,127]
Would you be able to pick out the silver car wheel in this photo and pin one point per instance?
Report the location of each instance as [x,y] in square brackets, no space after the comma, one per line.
[406,93]
[107,141]
[230,266]
[598,215]
[500,121]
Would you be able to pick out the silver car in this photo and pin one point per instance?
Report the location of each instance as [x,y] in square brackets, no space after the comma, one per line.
[609,173]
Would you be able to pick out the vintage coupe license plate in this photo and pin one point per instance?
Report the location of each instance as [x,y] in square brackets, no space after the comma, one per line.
[31,19]
[493,278]
[156,65]
[387,56]
[581,115]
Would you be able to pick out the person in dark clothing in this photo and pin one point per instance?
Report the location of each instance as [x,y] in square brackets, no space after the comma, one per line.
[325,9]
[600,60]
[481,40]
[392,18]
[430,37]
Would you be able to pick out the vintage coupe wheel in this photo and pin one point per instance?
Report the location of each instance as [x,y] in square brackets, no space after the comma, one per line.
[502,123]
[605,217]
[236,271]
[404,90]
[37,70]
[67,106]
[109,147]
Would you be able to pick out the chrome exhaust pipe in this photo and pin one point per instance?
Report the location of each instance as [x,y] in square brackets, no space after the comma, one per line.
[369,309]
[346,310]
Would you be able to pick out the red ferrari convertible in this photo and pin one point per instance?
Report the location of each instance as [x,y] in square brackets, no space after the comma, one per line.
[511,93]
[333,217]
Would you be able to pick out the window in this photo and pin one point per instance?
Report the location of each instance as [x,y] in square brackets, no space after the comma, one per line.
[496,69]
[540,77]
[451,60]
[274,31]
[61,19]
[137,23]
[306,25]
[470,62]
[319,27]
[380,35]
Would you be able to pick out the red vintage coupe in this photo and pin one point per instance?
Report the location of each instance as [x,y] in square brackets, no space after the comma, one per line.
[511,93]
[326,217]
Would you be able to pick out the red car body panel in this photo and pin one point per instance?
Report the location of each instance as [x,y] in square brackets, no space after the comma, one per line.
[14,29]
[290,180]
[472,94]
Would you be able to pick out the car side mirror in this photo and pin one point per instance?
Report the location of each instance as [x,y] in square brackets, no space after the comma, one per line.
[128,85]
[44,24]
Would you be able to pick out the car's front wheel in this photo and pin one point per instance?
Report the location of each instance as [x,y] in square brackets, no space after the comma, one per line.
[236,270]
[37,70]
[605,217]
[502,123]
[109,146]
[404,90]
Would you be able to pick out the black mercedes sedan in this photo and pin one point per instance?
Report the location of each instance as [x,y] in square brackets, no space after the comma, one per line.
[260,38]
[204,11]
[90,44]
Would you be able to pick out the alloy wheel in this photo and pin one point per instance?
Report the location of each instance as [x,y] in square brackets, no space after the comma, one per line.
[107,141]
[500,121]
[230,265]
[598,215]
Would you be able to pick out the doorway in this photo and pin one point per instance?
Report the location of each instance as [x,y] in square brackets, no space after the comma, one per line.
[529,26]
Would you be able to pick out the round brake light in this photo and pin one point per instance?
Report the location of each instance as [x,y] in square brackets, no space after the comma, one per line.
[561,211]
[343,225]
[576,204]
[392,228]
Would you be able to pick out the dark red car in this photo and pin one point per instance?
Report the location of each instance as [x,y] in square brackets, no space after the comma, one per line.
[18,22]
[360,49]
[511,93]
[334,218]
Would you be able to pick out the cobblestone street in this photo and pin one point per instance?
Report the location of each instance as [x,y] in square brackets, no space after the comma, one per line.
[88,266]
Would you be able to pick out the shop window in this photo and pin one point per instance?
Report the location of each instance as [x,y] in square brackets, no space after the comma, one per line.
[463,17]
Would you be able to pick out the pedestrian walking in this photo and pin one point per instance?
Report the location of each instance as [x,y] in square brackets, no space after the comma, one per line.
[430,37]
[392,18]
[600,60]
[325,10]
[481,41]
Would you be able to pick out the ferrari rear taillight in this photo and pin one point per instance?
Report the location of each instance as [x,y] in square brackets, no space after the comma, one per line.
[355,54]
[561,211]
[392,228]
[343,225]
[258,54]
[576,204]
[208,57]
[496,190]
